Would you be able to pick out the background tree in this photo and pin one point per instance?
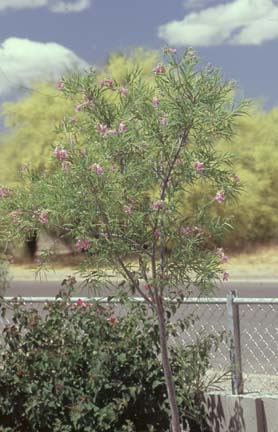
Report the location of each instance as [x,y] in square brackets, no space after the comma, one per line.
[31,120]
[130,140]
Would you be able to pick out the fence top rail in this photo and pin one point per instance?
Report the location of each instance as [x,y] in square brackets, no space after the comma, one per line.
[193,300]
[251,300]
[113,299]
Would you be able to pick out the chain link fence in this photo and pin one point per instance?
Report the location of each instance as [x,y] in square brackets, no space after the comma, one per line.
[251,326]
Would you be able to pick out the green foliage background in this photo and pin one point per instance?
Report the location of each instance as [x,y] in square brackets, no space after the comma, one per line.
[32,119]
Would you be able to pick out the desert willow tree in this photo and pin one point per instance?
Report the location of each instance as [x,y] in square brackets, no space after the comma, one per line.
[123,166]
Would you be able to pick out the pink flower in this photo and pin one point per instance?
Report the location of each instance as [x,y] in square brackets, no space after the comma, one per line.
[41,215]
[102,129]
[186,231]
[83,105]
[159,69]
[123,91]
[106,82]
[127,209]
[170,50]
[156,234]
[199,166]
[155,102]
[80,302]
[4,192]
[226,276]
[83,244]
[112,320]
[163,121]
[220,196]
[98,169]
[236,178]
[223,258]
[158,205]
[14,215]
[60,85]
[122,127]
[60,154]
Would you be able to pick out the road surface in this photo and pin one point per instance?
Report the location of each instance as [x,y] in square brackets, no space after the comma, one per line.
[245,288]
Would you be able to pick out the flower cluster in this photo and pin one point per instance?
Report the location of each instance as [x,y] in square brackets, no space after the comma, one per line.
[60,153]
[199,166]
[188,231]
[14,216]
[122,127]
[223,258]
[83,105]
[83,244]
[170,50]
[159,69]
[4,192]
[104,131]
[155,102]
[158,205]
[41,215]
[220,196]
[123,91]
[106,82]
[60,85]
[127,209]
[96,168]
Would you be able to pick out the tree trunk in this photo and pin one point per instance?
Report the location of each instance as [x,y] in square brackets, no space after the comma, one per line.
[175,418]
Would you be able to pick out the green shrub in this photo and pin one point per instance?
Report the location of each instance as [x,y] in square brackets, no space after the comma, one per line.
[75,367]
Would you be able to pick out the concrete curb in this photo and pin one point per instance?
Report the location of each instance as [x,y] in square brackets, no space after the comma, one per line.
[242,413]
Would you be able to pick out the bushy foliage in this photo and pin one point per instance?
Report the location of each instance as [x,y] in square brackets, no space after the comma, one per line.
[76,367]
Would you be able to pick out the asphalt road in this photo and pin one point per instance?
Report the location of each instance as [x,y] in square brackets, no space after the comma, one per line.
[245,288]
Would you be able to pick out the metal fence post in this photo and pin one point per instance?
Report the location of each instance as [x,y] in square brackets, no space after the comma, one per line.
[234,343]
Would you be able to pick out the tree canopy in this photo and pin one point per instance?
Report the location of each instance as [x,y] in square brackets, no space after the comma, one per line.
[31,120]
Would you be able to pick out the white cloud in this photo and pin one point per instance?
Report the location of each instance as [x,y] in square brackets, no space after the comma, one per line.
[21,4]
[64,6]
[59,6]
[196,4]
[23,61]
[239,22]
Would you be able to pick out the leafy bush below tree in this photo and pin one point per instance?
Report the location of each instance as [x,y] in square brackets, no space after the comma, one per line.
[76,367]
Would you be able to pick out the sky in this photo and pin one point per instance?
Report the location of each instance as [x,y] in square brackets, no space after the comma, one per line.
[42,39]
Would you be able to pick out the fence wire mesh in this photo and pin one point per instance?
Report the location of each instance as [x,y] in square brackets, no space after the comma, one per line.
[258,330]
[259,338]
